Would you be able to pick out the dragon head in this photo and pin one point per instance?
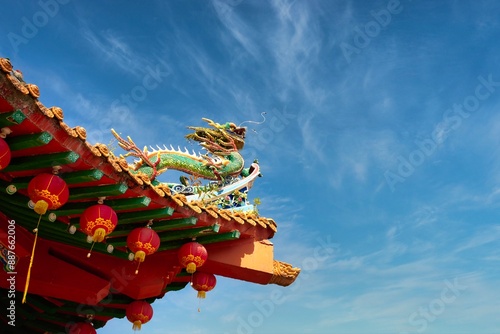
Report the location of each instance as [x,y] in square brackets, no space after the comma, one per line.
[220,138]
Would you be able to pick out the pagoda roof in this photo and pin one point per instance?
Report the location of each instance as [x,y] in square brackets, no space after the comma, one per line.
[65,285]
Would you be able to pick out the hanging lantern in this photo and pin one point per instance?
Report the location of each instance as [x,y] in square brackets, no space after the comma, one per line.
[4,154]
[98,221]
[82,328]
[192,255]
[48,192]
[203,282]
[142,241]
[139,313]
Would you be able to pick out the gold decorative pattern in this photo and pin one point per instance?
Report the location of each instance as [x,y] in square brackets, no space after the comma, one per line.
[46,111]
[103,149]
[136,178]
[100,222]
[223,214]
[238,219]
[159,191]
[68,130]
[146,247]
[81,132]
[114,162]
[254,222]
[178,198]
[144,178]
[123,163]
[272,224]
[212,211]
[165,189]
[192,259]
[58,113]
[47,195]
[34,90]
[18,84]
[5,65]
[93,149]
[194,206]
[283,273]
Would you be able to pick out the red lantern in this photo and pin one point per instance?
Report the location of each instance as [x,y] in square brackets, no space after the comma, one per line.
[98,221]
[139,313]
[82,328]
[142,241]
[192,255]
[47,191]
[4,154]
[203,282]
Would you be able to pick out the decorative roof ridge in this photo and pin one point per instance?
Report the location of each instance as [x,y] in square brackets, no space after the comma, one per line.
[283,273]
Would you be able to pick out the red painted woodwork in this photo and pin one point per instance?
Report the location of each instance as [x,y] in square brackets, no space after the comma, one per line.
[5,154]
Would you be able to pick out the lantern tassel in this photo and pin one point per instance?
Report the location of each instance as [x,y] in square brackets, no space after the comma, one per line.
[31,261]
[99,235]
[139,256]
[137,270]
[191,267]
[201,294]
[137,325]
[41,207]
[199,305]
[90,251]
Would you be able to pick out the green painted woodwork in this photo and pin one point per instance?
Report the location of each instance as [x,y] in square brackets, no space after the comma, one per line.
[70,209]
[11,118]
[143,216]
[95,310]
[208,239]
[29,141]
[188,233]
[48,323]
[41,161]
[98,191]
[42,320]
[83,176]
[41,303]
[119,238]
[158,226]
[176,286]
[233,235]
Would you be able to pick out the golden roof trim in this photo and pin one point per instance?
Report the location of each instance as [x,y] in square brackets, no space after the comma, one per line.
[5,65]
[283,273]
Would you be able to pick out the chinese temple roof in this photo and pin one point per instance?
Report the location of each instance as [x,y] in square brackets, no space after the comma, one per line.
[65,286]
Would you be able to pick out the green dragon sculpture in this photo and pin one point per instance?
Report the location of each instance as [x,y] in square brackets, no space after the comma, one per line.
[222,142]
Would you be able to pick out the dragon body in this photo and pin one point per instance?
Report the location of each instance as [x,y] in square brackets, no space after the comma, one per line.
[222,143]
[200,166]
[222,165]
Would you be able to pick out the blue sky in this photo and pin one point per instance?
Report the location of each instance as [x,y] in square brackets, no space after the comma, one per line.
[379,151]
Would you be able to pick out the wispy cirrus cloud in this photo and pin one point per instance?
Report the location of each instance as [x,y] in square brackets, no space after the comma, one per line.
[237,28]
[112,47]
